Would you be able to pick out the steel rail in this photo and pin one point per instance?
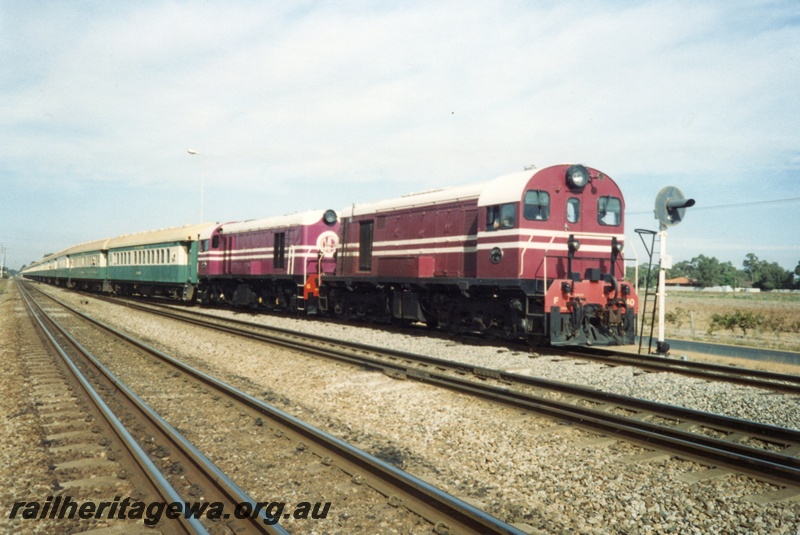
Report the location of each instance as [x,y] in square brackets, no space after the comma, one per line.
[702,370]
[447,513]
[781,382]
[773,466]
[152,474]
[294,340]
[214,477]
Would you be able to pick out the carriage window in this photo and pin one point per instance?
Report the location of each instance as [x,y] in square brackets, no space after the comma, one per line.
[365,246]
[501,216]
[573,210]
[537,205]
[609,211]
[215,241]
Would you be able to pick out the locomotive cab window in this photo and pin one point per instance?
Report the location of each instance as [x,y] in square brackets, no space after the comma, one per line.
[537,205]
[501,216]
[609,211]
[573,210]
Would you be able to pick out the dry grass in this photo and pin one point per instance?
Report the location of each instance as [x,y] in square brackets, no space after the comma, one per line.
[692,312]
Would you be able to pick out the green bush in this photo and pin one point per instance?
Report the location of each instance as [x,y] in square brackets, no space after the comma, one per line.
[743,320]
[676,317]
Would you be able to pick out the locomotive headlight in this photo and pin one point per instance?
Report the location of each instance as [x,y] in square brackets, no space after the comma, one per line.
[329,217]
[577,177]
[573,244]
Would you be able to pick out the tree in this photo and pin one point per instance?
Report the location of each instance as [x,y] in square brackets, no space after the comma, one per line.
[730,275]
[771,276]
[797,276]
[630,274]
[751,266]
[684,268]
[708,270]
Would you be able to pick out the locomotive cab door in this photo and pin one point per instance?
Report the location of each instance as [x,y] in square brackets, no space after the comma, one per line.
[574,223]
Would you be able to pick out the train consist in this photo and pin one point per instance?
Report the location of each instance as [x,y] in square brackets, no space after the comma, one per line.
[535,255]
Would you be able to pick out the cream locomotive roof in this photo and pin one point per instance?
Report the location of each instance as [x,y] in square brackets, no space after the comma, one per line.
[506,188]
[503,189]
[300,218]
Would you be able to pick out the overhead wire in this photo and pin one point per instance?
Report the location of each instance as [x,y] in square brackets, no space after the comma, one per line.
[733,205]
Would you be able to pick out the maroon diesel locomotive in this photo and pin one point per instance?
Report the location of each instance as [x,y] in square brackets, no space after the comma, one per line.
[275,263]
[535,254]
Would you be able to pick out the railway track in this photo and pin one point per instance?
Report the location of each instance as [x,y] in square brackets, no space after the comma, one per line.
[763,451]
[78,433]
[193,475]
[444,513]
[780,382]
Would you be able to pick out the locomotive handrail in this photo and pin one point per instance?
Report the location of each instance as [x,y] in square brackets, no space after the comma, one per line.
[290,268]
[522,256]
[544,259]
[636,263]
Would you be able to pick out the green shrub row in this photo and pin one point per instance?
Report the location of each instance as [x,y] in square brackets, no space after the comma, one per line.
[750,321]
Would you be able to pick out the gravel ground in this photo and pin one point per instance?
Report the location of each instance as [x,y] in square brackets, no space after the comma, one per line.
[519,467]
[47,446]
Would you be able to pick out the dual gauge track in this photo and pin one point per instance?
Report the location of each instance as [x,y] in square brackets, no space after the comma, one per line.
[765,452]
[169,468]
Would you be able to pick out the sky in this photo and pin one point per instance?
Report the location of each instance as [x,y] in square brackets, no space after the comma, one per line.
[291,106]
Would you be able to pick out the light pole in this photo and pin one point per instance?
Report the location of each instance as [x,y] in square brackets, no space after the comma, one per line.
[2,261]
[202,180]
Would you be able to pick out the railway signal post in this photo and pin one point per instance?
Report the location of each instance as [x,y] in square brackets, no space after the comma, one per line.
[669,210]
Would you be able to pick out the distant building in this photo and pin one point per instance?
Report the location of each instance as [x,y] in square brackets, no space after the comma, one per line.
[681,282]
